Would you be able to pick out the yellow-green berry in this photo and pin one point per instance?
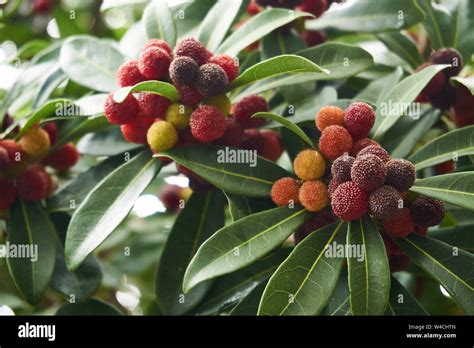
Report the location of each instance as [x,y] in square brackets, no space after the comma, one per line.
[162,136]
[179,115]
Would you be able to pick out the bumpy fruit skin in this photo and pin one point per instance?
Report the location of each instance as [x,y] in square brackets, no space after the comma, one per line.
[334,142]
[125,112]
[50,184]
[329,116]
[136,132]
[244,109]
[315,7]
[435,85]
[385,202]
[35,143]
[207,123]
[427,212]
[8,196]
[190,47]
[448,56]
[400,224]
[63,159]
[369,172]
[4,158]
[401,174]
[152,105]
[32,185]
[362,144]
[211,80]
[314,37]
[154,63]
[349,201]
[341,168]
[159,44]
[233,133]
[179,115]
[222,102]
[309,165]
[375,150]
[314,195]
[183,71]
[272,146]
[189,95]
[285,191]
[333,185]
[359,119]
[228,64]
[162,136]
[129,74]
[52,131]
[319,219]
[252,139]
[171,197]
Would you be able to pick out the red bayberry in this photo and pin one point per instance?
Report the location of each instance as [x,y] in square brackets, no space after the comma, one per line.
[375,150]
[319,219]
[285,191]
[152,106]
[361,144]
[243,111]
[314,195]
[233,133]
[427,212]
[136,132]
[334,142]
[401,174]
[272,146]
[369,172]
[190,47]
[129,74]
[8,196]
[64,158]
[207,123]
[52,131]
[211,80]
[329,116]
[154,63]
[171,197]
[341,168]
[315,7]
[359,119]
[314,37]
[158,43]
[122,113]
[229,64]
[32,185]
[400,224]
[189,95]
[4,158]
[183,71]
[349,201]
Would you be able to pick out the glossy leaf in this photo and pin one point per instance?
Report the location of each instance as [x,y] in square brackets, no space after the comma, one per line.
[459,236]
[241,243]
[305,281]
[257,27]
[438,24]
[369,16]
[456,188]
[77,128]
[339,304]
[286,123]
[53,80]
[402,302]
[467,82]
[107,205]
[378,89]
[248,306]
[91,62]
[202,216]
[157,87]
[454,144]
[403,46]
[31,226]
[105,142]
[234,287]
[447,265]
[159,22]
[220,16]
[240,206]
[235,178]
[369,273]
[398,100]
[90,307]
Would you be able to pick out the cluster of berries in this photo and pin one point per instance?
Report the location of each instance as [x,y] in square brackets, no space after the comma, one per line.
[204,113]
[315,7]
[23,173]
[442,94]
[173,197]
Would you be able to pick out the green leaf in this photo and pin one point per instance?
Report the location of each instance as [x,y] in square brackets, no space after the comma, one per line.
[446,264]
[277,43]
[305,281]
[194,12]
[403,46]
[220,16]
[467,82]
[157,87]
[77,128]
[411,130]
[201,217]
[438,24]
[456,188]
[276,66]
[248,306]
[53,80]
[91,62]
[72,195]
[257,27]
[454,144]
[369,279]
[370,16]
[240,206]
[286,123]
[239,244]
[402,302]
[235,178]
[31,227]
[341,60]
[107,205]
[159,22]
[466,11]
[90,307]
[233,287]
[378,89]
[339,304]
[105,142]
[459,236]
[398,100]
